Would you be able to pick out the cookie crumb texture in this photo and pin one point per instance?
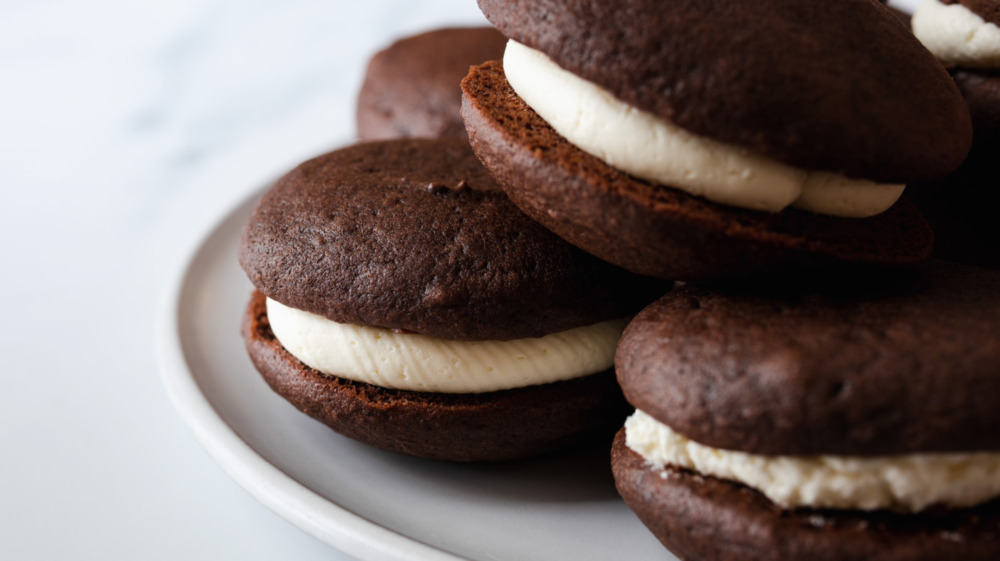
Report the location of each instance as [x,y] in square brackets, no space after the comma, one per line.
[494,426]
[704,518]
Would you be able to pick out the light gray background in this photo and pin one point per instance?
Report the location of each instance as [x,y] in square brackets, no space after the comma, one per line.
[126,127]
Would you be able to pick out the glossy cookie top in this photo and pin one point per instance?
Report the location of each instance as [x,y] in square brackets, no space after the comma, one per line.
[736,523]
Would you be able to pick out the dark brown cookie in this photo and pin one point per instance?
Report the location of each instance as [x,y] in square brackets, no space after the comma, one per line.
[656,230]
[415,235]
[704,518]
[813,83]
[904,363]
[411,89]
[492,426]
[989,10]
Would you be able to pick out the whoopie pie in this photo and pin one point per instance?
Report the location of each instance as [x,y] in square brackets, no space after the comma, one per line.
[694,139]
[404,301]
[855,420]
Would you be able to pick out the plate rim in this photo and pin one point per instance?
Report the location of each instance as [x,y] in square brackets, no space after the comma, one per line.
[316,515]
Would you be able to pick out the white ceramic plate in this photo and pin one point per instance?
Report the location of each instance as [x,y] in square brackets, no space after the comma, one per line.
[368,503]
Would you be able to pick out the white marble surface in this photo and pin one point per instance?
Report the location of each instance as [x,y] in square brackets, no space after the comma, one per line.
[125,129]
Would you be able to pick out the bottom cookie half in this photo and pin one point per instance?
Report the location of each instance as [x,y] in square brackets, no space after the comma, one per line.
[707,519]
[501,425]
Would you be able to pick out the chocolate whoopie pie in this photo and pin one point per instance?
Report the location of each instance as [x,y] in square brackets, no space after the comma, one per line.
[693,139]
[857,420]
[404,301]
[411,89]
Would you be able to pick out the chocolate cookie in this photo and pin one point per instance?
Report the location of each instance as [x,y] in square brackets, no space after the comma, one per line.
[656,230]
[989,10]
[411,89]
[705,518]
[902,363]
[413,237]
[833,96]
[493,426]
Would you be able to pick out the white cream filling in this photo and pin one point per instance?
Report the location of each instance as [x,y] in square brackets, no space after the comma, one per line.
[656,150]
[408,361]
[907,483]
[957,35]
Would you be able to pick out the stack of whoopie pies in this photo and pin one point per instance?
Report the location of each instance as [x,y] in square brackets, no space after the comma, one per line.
[813,389]
[850,414]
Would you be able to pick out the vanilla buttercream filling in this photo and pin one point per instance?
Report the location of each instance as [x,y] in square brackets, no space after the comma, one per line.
[908,483]
[957,35]
[651,148]
[415,362]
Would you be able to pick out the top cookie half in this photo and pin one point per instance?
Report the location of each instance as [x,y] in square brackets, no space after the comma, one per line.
[415,235]
[837,86]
